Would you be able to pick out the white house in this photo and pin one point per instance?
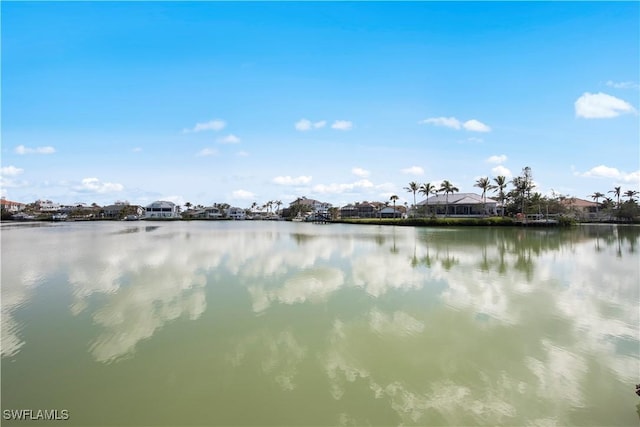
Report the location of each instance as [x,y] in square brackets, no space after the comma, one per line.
[235,213]
[47,206]
[162,209]
[459,204]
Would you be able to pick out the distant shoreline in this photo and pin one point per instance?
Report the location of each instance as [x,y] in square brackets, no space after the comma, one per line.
[403,222]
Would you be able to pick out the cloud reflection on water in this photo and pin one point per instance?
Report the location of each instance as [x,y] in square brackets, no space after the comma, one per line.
[574,292]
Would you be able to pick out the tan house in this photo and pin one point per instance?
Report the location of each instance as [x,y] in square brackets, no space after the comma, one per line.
[581,208]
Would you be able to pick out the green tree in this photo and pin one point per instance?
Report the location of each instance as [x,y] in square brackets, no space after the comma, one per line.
[484,184]
[595,196]
[616,192]
[393,199]
[446,187]
[501,184]
[519,191]
[427,189]
[629,210]
[631,194]
[413,188]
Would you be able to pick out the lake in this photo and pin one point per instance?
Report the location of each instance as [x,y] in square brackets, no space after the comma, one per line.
[275,323]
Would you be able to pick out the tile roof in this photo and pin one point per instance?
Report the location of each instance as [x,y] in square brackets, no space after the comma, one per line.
[457,199]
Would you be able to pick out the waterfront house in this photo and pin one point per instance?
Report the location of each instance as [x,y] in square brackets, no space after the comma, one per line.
[9,206]
[390,212]
[315,206]
[121,209]
[47,206]
[459,204]
[235,213]
[162,209]
[349,211]
[211,212]
[367,210]
[581,209]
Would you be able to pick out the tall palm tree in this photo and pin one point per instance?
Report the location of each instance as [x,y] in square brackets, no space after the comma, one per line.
[446,187]
[501,184]
[278,204]
[485,184]
[413,188]
[616,192]
[595,196]
[427,189]
[393,199]
[631,194]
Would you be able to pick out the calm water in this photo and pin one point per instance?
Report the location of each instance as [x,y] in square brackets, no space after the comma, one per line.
[270,323]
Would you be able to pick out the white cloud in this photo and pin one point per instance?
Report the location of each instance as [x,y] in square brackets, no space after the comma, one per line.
[497,159]
[214,125]
[21,149]
[305,125]
[474,125]
[601,106]
[603,171]
[10,171]
[362,173]
[413,170]
[501,171]
[342,125]
[229,139]
[207,152]
[243,194]
[137,149]
[242,153]
[94,185]
[341,188]
[450,122]
[287,180]
[623,85]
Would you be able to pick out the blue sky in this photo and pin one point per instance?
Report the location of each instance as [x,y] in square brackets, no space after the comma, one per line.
[240,102]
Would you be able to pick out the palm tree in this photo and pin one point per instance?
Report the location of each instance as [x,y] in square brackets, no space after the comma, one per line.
[595,196]
[616,192]
[485,184]
[427,189]
[631,194]
[393,199]
[446,187]
[501,184]
[413,188]
[278,204]
[188,205]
